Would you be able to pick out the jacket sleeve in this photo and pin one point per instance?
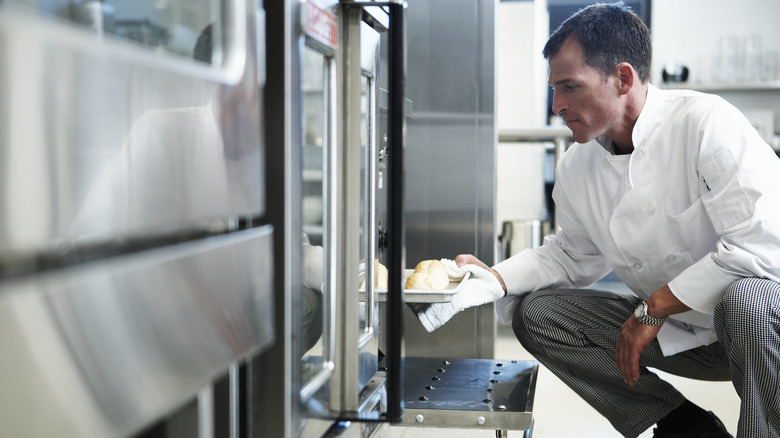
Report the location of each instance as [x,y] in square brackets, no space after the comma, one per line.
[568,259]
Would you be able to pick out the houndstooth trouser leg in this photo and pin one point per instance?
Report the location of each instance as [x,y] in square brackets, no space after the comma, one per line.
[747,321]
[574,333]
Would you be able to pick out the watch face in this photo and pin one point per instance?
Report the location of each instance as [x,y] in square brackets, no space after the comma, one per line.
[639,312]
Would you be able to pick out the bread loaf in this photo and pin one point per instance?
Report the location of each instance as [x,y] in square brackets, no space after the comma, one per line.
[428,275]
[380,277]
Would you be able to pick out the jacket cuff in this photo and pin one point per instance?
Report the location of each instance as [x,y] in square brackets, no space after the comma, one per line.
[701,286]
[519,272]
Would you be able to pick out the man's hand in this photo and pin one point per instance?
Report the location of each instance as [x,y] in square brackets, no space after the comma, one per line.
[468,259]
[634,337]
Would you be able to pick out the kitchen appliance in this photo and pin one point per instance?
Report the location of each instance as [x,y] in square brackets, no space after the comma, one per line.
[135,263]
[674,73]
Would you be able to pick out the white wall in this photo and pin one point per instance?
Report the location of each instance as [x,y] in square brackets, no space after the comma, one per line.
[691,32]
[522,28]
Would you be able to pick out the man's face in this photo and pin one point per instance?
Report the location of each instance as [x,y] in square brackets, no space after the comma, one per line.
[587,102]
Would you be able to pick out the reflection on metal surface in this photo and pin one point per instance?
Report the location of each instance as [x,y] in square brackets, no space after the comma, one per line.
[373,394]
[96,14]
[104,348]
[451,139]
[106,146]
[133,271]
[169,27]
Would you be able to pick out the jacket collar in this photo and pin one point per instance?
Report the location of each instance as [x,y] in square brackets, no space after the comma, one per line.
[647,120]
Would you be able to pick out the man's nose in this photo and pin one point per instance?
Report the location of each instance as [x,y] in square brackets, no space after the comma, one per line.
[559,104]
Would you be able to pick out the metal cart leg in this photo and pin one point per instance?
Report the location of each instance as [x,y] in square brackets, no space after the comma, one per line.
[505,433]
[529,431]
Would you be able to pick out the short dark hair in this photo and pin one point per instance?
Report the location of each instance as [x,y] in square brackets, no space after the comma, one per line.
[609,34]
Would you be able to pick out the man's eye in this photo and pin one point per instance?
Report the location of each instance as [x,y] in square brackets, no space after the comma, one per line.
[564,88]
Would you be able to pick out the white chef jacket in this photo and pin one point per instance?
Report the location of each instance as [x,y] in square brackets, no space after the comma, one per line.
[696,206]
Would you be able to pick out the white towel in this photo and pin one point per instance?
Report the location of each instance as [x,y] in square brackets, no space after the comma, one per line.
[482,287]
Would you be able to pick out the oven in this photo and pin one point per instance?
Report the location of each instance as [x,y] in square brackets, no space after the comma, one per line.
[136,270]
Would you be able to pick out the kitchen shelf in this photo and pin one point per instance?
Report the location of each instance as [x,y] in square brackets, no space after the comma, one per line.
[712,86]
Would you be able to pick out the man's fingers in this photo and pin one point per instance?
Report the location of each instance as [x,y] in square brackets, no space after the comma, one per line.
[629,368]
[463,259]
[627,358]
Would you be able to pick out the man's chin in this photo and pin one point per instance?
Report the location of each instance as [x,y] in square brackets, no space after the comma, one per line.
[577,134]
[581,137]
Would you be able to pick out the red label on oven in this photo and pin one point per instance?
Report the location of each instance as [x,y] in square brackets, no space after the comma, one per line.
[319,24]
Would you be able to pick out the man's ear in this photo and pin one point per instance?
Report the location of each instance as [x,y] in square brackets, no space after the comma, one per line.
[626,76]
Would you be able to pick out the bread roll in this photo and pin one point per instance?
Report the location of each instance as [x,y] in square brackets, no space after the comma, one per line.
[428,275]
[380,277]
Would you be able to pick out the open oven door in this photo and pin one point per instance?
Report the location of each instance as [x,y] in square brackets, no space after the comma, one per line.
[330,64]
[345,376]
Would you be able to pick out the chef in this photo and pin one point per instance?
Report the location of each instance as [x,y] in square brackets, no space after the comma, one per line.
[678,194]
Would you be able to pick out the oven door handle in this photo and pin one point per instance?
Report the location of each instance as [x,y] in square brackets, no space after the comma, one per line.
[396,128]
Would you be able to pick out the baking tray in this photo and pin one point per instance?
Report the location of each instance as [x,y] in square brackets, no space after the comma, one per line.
[420,295]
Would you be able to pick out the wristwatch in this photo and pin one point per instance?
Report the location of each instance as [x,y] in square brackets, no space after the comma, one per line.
[640,313]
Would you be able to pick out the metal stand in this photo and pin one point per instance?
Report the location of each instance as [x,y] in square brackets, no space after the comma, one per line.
[469,393]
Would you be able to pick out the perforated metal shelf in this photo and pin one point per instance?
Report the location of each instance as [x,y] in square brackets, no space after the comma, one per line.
[469,393]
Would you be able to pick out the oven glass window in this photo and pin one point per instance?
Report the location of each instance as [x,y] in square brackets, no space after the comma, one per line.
[314,118]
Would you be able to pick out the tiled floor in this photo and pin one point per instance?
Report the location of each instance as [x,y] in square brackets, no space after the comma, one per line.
[559,413]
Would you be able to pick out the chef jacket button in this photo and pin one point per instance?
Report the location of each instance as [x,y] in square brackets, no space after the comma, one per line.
[606,164]
[670,259]
[637,266]
[640,154]
[651,210]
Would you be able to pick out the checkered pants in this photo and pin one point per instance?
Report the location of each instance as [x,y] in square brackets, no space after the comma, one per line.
[574,333]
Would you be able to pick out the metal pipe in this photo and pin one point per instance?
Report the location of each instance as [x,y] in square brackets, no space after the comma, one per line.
[235,399]
[534,134]
[206,412]
[561,136]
